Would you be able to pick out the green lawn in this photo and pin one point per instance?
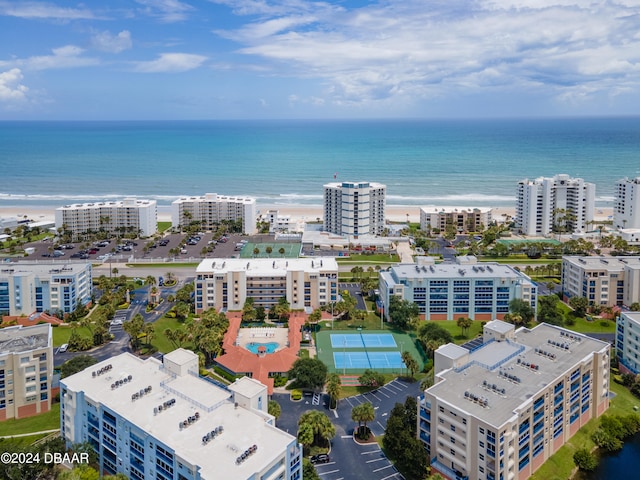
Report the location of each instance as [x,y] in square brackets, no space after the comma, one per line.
[46,421]
[160,342]
[61,334]
[456,331]
[163,226]
[594,326]
[359,259]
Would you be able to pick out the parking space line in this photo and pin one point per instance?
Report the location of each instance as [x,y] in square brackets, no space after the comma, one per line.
[369,453]
[392,476]
[383,468]
[375,460]
[349,401]
[382,393]
[327,473]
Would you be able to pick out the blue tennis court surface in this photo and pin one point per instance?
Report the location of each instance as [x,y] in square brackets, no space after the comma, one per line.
[362,340]
[361,360]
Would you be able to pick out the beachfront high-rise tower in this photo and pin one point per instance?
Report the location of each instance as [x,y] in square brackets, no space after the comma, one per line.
[560,204]
[626,209]
[354,208]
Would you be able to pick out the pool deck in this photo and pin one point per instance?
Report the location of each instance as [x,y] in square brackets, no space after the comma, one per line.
[240,360]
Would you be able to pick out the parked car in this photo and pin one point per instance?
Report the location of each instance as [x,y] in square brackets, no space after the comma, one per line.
[63,348]
[322,458]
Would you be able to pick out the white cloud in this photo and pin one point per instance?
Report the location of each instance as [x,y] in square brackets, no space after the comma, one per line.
[68,56]
[411,49]
[168,11]
[171,63]
[107,42]
[43,10]
[11,87]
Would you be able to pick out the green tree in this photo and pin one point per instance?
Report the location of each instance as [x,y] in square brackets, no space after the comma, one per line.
[309,471]
[282,309]
[269,249]
[585,460]
[402,313]
[548,310]
[410,362]
[402,445]
[305,435]
[76,364]
[281,251]
[134,328]
[522,308]
[579,305]
[334,389]
[323,429]
[363,413]
[465,324]
[309,373]
[274,409]
[248,310]
[371,378]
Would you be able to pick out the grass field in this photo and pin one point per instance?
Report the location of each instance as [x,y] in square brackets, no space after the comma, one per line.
[46,421]
[160,342]
[61,334]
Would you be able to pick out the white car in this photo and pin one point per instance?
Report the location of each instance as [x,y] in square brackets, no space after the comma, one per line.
[63,348]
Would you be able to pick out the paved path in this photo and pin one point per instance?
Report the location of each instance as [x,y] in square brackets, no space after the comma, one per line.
[31,433]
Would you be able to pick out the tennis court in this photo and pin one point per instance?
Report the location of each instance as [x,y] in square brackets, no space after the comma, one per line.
[362,340]
[364,360]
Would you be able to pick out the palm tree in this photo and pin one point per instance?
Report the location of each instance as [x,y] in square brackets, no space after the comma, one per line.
[323,429]
[362,414]
[274,409]
[305,435]
[269,249]
[410,362]
[281,251]
[334,389]
[256,252]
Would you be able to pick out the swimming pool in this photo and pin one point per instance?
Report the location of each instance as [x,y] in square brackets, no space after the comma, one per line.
[270,346]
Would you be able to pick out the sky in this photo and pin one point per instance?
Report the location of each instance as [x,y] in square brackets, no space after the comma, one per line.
[273,59]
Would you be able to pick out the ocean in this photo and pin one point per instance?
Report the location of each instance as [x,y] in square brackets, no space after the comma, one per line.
[422,162]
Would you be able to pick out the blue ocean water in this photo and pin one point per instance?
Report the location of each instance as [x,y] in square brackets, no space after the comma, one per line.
[422,162]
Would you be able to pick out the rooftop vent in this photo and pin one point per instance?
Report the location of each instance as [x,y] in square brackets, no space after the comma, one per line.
[212,434]
[101,371]
[165,405]
[189,421]
[247,453]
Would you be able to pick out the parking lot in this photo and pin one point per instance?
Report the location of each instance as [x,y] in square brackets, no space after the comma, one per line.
[348,459]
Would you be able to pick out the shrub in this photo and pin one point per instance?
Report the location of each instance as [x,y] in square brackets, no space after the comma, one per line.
[296,395]
[585,460]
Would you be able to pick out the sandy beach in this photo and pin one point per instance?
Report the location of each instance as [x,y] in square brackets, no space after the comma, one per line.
[307,213]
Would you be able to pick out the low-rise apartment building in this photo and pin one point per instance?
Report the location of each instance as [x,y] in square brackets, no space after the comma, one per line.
[603,280]
[480,291]
[151,419]
[462,219]
[26,370]
[500,411]
[628,342]
[226,283]
[211,209]
[55,288]
[129,216]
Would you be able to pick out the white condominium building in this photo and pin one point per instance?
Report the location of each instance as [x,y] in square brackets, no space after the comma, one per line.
[463,219]
[501,410]
[561,200]
[480,291]
[26,370]
[226,283]
[626,209]
[354,208]
[129,216]
[628,342]
[29,288]
[602,280]
[211,209]
[148,419]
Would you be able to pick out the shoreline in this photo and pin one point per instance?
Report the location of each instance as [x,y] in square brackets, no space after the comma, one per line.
[304,212]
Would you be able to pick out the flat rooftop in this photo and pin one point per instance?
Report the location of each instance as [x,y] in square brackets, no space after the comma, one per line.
[496,363]
[217,459]
[480,270]
[40,269]
[267,266]
[614,264]
[23,339]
